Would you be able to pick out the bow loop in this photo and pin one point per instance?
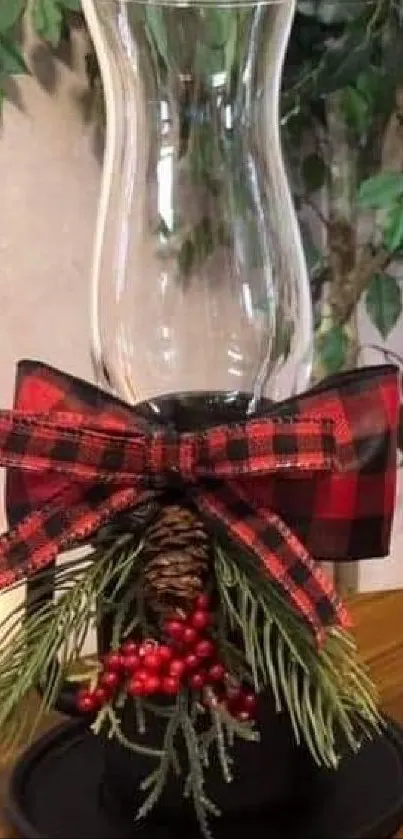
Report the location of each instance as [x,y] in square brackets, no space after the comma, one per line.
[272,445]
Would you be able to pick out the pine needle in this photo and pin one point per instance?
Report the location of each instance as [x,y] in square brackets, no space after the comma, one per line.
[159,777]
[326,692]
[116,730]
[225,760]
[196,774]
[235,728]
[39,649]
[140,716]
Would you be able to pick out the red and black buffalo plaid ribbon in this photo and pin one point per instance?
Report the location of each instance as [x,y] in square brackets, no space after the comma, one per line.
[313,479]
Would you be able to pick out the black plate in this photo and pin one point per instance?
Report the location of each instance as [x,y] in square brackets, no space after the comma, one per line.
[56,791]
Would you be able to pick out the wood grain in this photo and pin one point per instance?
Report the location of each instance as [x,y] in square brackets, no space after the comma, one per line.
[379,630]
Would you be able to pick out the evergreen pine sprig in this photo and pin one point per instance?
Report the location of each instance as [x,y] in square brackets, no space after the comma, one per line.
[39,649]
[327,692]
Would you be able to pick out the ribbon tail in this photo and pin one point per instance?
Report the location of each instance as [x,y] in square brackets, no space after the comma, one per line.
[302,581]
[71,518]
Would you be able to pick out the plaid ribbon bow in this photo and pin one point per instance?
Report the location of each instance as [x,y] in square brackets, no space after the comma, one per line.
[312,479]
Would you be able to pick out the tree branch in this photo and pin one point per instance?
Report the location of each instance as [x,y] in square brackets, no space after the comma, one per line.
[356,281]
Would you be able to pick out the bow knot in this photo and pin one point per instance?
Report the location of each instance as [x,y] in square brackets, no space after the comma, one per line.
[255,447]
[312,479]
[172,458]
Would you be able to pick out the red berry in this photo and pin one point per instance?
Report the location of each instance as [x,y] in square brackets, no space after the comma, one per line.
[205,648]
[190,636]
[249,703]
[203,602]
[175,629]
[132,663]
[170,686]
[201,619]
[197,681]
[177,668]
[114,661]
[217,672]
[152,684]
[165,653]
[152,661]
[100,697]
[191,661]
[86,702]
[136,687]
[109,680]
[142,675]
[234,699]
[129,648]
[147,647]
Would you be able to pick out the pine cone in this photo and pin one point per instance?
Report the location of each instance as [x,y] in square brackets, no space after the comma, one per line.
[177,555]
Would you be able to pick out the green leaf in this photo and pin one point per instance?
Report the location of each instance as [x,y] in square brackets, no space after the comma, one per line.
[71,5]
[11,60]
[356,110]
[47,20]
[380,191]
[209,61]
[232,43]
[10,13]
[218,24]
[393,234]
[383,302]
[313,172]
[369,83]
[332,347]
[343,60]
[157,31]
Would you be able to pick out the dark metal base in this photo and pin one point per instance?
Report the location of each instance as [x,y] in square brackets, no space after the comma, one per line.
[56,790]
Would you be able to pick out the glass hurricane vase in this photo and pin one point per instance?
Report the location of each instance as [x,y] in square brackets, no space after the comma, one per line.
[199,278]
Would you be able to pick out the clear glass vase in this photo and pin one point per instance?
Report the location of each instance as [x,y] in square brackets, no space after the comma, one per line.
[199,278]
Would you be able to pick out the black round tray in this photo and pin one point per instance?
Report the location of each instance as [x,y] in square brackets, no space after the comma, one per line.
[56,791]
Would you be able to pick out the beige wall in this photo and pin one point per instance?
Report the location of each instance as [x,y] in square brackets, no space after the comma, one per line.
[49,187]
[49,177]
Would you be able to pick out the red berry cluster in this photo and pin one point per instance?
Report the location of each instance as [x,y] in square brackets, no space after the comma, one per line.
[189,658]
[117,669]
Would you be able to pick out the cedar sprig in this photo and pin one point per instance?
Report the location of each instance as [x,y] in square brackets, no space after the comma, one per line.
[182,721]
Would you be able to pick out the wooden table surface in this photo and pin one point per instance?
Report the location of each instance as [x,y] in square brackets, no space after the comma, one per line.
[379,629]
